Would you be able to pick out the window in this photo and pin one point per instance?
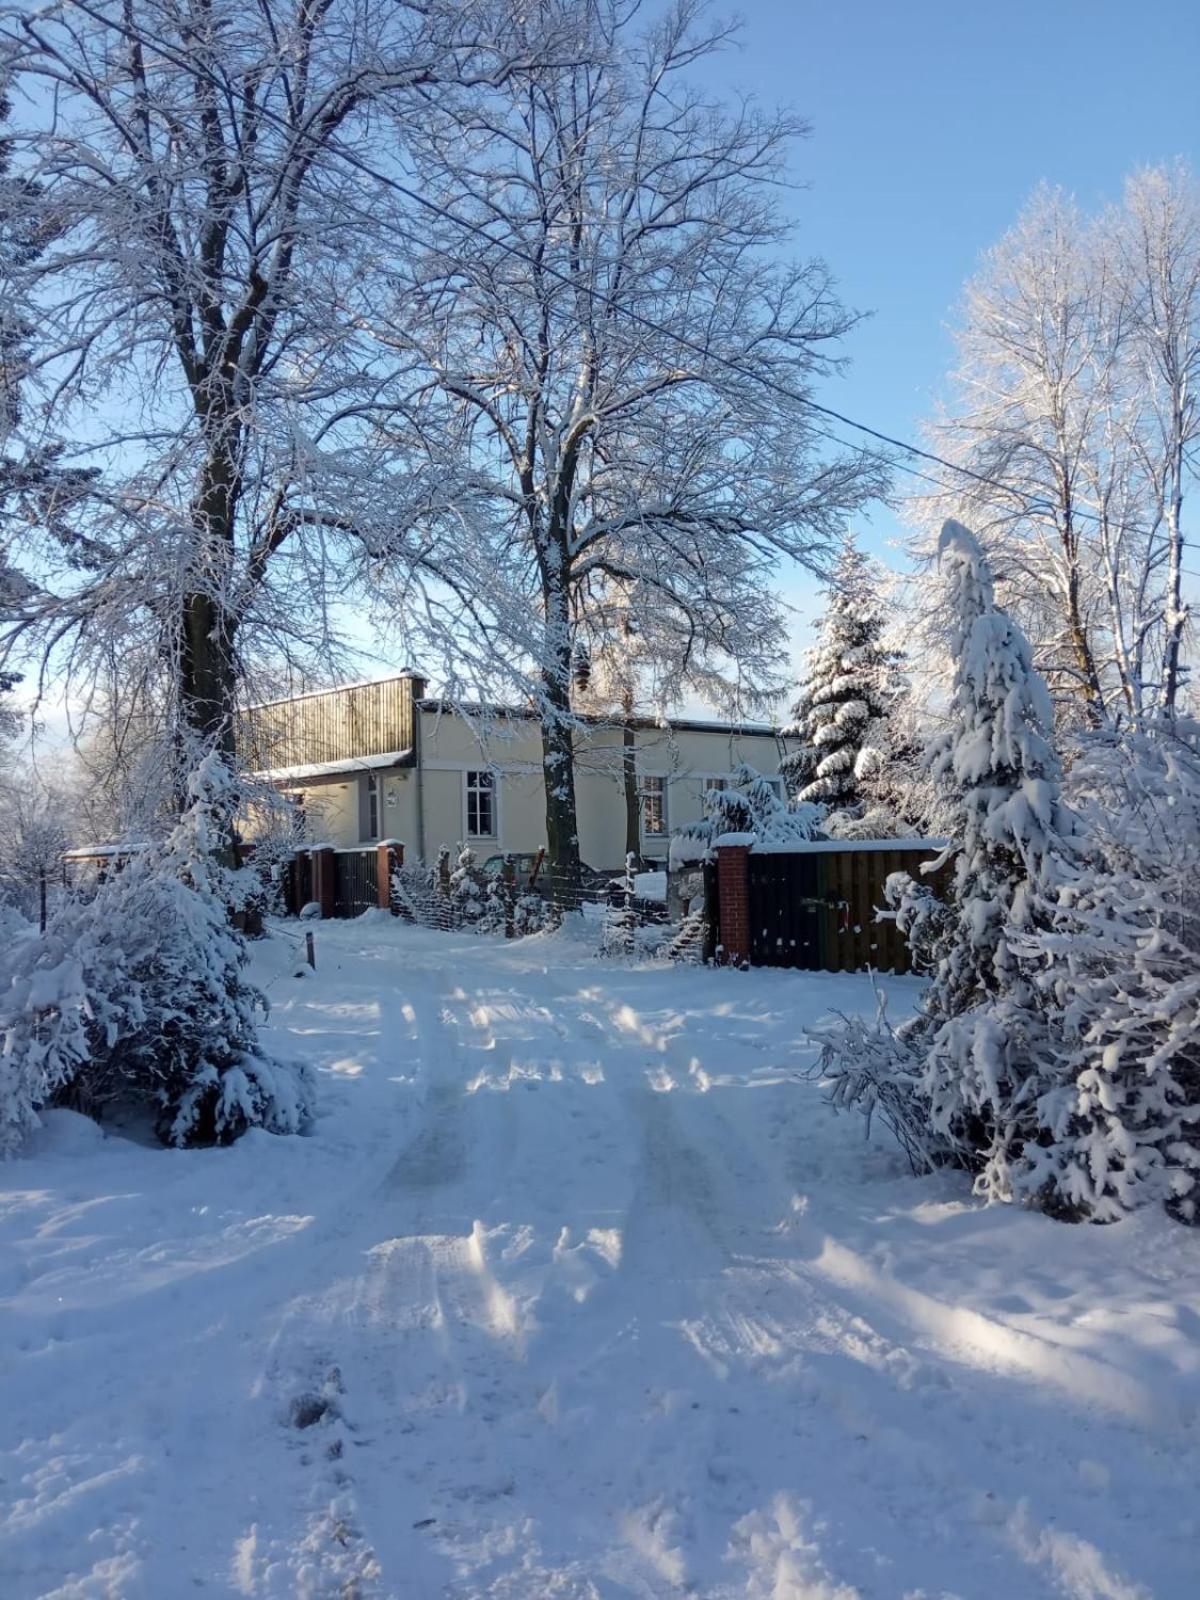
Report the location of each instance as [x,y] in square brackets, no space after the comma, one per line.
[653,793]
[368,806]
[715,783]
[481,805]
[777,785]
[295,798]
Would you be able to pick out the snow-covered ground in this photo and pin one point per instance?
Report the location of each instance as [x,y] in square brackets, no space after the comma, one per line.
[579,1290]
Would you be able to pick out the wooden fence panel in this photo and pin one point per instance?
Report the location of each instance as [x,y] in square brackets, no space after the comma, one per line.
[816,909]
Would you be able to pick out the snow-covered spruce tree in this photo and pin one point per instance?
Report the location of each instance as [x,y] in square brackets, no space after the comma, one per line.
[139,998]
[961,1081]
[45,1013]
[1116,965]
[986,1057]
[620,922]
[468,889]
[848,690]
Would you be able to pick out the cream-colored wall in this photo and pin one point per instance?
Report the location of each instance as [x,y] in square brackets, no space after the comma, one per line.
[398,807]
[451,745]
[511,747]
[331,811]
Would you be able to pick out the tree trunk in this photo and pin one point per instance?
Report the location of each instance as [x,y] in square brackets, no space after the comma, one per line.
[558,759]
[1176,610]
[207,664]
[1085,660]
[558,742]
[633,832]
[1081,644]
[207,674]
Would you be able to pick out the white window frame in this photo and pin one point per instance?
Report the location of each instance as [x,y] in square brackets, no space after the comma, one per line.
[722,780]
[373,804]
[661,779]
[493,790]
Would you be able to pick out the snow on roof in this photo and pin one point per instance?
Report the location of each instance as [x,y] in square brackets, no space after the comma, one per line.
[597,719]
[331,769]
[827,846]
[101,852]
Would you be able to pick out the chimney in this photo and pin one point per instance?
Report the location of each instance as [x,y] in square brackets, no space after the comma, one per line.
[418,682]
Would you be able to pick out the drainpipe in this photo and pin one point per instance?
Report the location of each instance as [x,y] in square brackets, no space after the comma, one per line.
[419,778]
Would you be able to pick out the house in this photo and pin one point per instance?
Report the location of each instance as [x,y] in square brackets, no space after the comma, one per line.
[383,760]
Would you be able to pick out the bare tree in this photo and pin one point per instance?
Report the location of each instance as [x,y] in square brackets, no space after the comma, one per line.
[637,656]
[1158,234]
[1074,401]
[1026,398]
[599,304]
[200,313]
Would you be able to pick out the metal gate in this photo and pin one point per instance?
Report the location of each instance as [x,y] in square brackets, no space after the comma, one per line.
[355,882]
[786,913]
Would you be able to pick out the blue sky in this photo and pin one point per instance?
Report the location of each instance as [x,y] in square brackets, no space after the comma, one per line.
[932,122]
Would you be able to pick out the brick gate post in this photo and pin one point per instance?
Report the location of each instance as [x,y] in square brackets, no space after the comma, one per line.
[389,855]
[733,892]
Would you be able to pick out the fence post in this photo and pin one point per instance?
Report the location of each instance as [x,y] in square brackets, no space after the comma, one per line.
[733,894]
[389,855]
[509,875]
[296,881]
[324,882]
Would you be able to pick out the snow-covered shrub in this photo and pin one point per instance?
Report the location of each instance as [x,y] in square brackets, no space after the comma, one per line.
[421,895]
[1116,965]
[749,806]
[874,1069]
[46,1013]
[499,901]
[468,889]
[138,997]
[690,939]
[532,914]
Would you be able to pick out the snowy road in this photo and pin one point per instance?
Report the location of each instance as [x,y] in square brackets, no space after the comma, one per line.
[577,1292]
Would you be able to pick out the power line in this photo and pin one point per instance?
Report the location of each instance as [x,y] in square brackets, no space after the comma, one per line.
[1032,504]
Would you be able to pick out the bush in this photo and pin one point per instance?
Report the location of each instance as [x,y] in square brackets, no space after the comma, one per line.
[139,999]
